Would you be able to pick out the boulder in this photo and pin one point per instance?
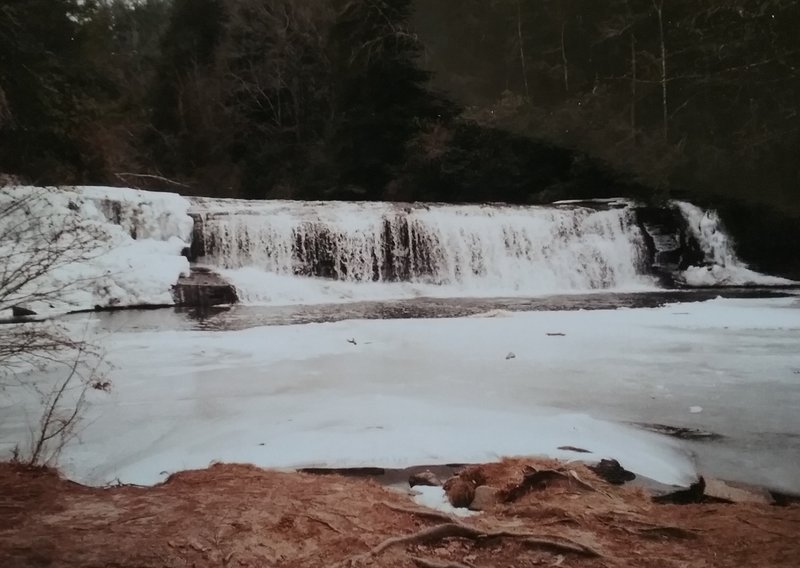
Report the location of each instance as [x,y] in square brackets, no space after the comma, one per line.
[460,492]
[485,498]
[425,478]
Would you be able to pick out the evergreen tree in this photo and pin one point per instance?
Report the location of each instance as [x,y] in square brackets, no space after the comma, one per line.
[381,99]
[45,88]
[278,95]
[182,98]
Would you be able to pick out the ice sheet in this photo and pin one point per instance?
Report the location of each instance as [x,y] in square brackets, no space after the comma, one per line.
[440,391]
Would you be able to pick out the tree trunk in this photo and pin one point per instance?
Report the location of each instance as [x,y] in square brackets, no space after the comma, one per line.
[520,38]
[659,7]
[564,60]
[633,88]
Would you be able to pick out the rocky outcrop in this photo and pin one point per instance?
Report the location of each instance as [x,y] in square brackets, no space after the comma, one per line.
[670,246]
[204,288]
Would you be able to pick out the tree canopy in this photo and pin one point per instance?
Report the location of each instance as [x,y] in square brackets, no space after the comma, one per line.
[453,100]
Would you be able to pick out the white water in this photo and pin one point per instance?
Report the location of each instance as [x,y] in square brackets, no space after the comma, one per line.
[723,267]
[285,252]
[127,249]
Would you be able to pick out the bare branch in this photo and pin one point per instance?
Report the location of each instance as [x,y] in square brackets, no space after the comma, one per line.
[124,175]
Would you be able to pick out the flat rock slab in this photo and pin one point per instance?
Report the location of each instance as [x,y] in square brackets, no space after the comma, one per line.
[204,288]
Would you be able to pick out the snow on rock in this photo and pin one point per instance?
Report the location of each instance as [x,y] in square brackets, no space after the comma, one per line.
[70,249]
[143,214]
[435,498]
[723,266]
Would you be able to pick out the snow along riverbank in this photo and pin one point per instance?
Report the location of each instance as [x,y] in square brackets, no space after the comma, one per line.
[76,249]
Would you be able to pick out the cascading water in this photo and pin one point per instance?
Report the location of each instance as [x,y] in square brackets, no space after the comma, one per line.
[289,251]
[284,252]
[721,266]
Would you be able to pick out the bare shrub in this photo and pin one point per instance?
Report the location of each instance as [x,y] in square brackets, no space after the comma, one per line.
[41,361]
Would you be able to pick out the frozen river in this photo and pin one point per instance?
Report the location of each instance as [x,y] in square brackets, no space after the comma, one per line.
[428,390]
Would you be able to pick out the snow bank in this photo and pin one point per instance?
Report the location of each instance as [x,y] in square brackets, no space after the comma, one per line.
[723,267]
[85,247]
[143,214]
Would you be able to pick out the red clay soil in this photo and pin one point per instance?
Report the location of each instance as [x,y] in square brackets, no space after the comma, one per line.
[232,515]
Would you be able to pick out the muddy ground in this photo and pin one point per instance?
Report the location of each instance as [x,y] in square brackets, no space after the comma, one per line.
[233,515]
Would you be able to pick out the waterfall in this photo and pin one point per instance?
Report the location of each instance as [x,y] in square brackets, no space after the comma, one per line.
[278,251]
[721,266]
[132,247]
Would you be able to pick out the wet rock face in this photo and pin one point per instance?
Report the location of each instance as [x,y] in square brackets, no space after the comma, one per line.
[670,246]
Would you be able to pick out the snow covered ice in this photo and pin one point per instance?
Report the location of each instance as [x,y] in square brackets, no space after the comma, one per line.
[441,391]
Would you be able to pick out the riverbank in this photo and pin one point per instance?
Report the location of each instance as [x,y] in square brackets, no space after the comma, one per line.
[237,515]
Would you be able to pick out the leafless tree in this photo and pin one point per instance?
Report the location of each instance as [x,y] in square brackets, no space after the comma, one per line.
[40,360]
[658,6]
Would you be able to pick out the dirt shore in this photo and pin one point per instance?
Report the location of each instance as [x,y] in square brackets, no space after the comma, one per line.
[234,515]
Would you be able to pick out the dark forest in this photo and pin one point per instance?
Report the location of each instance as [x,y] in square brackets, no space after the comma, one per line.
[436,100]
